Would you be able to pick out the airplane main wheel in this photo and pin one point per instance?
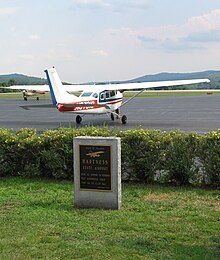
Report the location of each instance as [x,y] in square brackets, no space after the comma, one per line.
[25,98]
[112,117]
[37,98]
[78,119]
[124,120]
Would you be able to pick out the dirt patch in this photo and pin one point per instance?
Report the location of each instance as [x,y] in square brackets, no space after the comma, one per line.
[217,205]
[6,208]
[158,197]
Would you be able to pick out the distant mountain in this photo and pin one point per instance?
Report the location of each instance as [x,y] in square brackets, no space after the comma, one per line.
[21,79]
[213,75]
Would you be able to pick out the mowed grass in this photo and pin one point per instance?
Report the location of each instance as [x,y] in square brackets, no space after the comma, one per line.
[172,93]
[38,221]
[19,95]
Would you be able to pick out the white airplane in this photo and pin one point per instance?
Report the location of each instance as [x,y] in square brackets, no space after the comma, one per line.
[97,99]
[31,90]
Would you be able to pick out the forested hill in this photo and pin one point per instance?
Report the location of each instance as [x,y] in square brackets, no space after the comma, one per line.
[214,76]
[20,79]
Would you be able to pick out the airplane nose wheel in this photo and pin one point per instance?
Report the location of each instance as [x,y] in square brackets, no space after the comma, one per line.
[78,119]
[124,119]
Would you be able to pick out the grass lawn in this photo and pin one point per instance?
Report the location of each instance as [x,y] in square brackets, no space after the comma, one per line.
[19,95]
[38,221]
[172,93]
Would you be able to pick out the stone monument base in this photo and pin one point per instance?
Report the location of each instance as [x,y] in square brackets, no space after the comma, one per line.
[97,172]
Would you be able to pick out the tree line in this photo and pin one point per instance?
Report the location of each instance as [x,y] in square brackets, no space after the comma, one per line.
[9,83]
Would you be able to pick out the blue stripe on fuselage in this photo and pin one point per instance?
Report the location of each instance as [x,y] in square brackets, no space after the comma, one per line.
[51,88]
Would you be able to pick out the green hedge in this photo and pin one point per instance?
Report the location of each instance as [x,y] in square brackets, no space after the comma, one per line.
[147,155]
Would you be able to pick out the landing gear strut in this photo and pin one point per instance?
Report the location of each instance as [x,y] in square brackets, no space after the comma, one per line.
[123,118]
[24,95]
[78,119]
[116,114]
[117,111]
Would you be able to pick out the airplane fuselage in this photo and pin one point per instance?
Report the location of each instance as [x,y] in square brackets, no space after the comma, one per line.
[98,102]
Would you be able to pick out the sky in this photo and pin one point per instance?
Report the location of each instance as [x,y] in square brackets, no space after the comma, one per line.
[107,40]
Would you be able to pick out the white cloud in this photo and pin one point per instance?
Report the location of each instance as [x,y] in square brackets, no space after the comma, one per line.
[92,4]
[101,53]
[111,5]
[34,37]
[206,22]
[194,34]
[27,57]
[132,4]
[7,11]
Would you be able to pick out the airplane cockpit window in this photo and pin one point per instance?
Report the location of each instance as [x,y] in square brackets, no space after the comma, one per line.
[95,95]
[107,94]
[102,96]
[112,93]
[86,94]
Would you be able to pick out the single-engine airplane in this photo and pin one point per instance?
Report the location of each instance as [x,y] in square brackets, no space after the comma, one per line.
[31,93]
[31,90]
[98,99]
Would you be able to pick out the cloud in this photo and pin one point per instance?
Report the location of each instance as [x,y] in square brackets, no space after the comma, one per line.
[111,5]
[26,57]
[101,53]
[205,37]
[92,4]
[141,4]
[206,22]
[7,11]
[34,37]
[194,34]
[145,39]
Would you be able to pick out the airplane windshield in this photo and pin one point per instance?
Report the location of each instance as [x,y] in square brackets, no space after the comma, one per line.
[86,94]
[95,95]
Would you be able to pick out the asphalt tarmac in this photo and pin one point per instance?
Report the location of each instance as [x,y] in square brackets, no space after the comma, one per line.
[197,113]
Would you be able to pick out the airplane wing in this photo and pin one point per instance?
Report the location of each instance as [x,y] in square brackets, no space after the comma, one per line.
[119,86]
[69,88]
[30,87]
[133,86]
[154,84]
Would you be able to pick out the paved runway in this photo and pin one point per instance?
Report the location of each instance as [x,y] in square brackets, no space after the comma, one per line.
[197,113]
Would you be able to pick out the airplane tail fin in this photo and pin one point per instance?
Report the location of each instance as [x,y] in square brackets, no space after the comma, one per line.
[57,91]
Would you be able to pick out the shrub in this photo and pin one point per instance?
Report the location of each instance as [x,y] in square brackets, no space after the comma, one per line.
[210,157]
[141,153]
[7,141]
[179,157]
[26,153]
[147,155]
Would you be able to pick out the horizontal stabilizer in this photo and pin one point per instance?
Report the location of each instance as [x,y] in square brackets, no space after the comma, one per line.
[28,107]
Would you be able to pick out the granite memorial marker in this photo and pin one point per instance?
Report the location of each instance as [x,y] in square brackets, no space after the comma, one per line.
[97,172]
